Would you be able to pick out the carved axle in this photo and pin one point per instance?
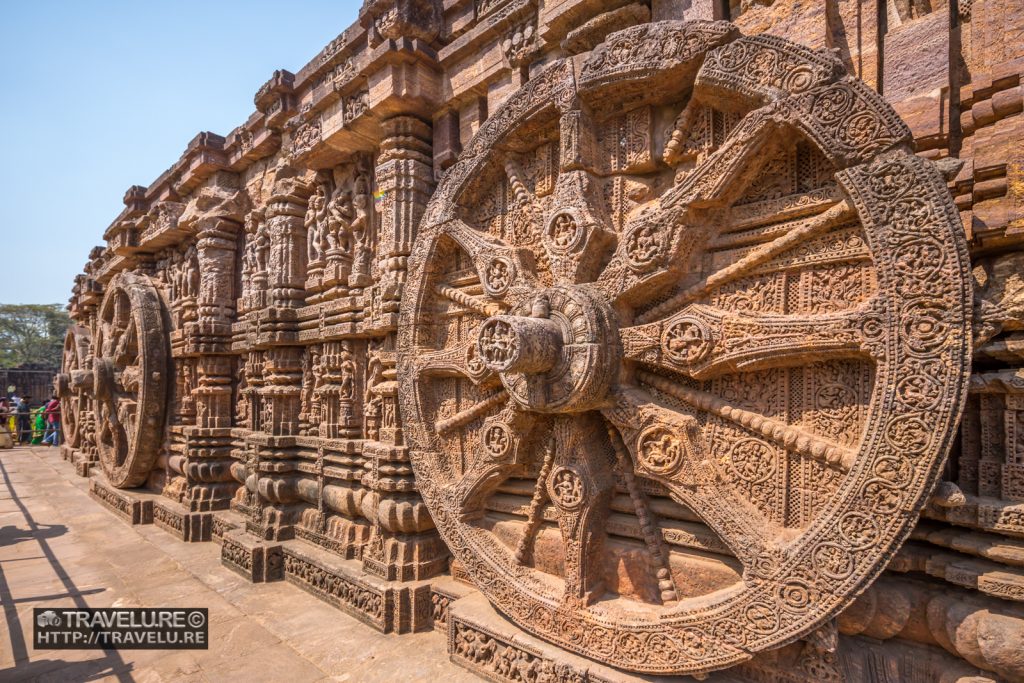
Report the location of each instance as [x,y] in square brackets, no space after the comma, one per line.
[513,343]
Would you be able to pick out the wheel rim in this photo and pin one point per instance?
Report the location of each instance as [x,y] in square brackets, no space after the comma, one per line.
[130,379]
[586,347]
[69,385]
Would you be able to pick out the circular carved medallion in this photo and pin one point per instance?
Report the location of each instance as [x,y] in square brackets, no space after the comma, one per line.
[498,346]
[566,488]
[644,247]
[497,440]
[660,450]
[498,276]
[564,231]
[687,340]
[776,292]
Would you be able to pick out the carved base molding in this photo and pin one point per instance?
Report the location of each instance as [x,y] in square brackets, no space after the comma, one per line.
[443,592]
[224,522]
[388,606]
[134,507]
[257,561]
[82,461]
[84,465]
[484,642]
[175,518]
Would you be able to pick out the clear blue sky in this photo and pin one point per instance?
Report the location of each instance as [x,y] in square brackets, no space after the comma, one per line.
[98,96]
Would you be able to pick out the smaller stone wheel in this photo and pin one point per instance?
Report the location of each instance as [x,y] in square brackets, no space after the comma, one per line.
[130,379]
[73,383]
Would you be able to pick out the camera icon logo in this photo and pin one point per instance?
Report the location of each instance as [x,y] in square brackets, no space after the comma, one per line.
[48,618]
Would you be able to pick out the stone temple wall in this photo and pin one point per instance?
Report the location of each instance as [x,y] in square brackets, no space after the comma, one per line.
[611,338]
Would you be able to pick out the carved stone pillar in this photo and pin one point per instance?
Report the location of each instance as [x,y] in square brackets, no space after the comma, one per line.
[404,179]
[287,260]
[404,545]
[216,245]
[201,480]
[339,416]
[280,394]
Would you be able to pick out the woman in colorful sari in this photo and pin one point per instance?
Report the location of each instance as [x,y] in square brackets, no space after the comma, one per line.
[10,417]
[38,424]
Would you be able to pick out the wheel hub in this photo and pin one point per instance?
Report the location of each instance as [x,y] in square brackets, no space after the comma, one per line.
[555,353]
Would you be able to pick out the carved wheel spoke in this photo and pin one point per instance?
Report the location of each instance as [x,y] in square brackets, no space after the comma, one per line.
[742,326]
[461,360]
[660,237]
[503,450]
[505,273]
[666,446]
[728,169]
[471,413]
[784,435]
[803,231]
[705,341]
[580,486]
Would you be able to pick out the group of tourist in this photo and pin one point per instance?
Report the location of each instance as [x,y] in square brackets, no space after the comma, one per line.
[28,425]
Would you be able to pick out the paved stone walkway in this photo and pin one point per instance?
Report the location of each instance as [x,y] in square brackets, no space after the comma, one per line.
[60,548]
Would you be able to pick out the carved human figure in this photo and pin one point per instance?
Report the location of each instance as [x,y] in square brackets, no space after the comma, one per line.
[242,406]
[315,372]
[187,389]
[568,488]
[374,374]
[316,213]
[191,277]
[372,417]
[373,403]
[348,371]
[525,667]
[309,368]
[175,277]
[339,221]
[262,246]
[361,206]
[249,252]
[168,277]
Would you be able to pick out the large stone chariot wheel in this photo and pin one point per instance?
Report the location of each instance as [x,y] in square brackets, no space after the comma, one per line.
[72,383]
[130,379]
[684,346]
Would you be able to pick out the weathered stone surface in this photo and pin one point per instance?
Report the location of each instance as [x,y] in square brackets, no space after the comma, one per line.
[651,324]
[133,507]
[49,548]
[568,347]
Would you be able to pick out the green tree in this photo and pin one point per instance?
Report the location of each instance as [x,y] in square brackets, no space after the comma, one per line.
[32,334]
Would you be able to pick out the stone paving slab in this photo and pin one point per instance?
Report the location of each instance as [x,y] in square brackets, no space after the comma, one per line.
[59,548]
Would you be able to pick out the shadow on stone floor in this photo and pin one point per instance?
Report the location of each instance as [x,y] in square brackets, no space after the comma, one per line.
[109,663]
[10,534]
[61,670]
